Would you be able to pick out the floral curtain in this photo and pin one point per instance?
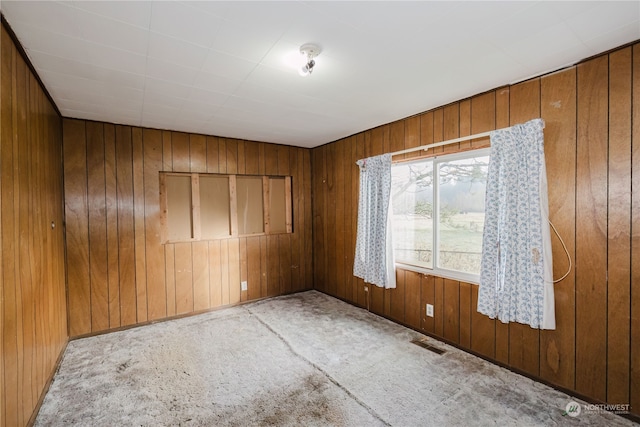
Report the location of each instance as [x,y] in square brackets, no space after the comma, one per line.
[516,281]
[374,249]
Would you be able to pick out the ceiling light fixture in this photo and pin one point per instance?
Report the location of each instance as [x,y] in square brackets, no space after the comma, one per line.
[309,51]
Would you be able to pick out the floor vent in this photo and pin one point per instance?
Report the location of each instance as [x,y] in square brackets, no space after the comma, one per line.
[424,344]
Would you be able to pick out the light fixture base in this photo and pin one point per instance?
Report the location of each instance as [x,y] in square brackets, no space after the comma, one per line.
[310,50]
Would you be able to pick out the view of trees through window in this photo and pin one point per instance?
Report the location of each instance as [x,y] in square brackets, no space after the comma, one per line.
[440,201]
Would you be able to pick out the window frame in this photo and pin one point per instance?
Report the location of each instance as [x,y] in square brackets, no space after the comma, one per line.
[233,206]
[435,270]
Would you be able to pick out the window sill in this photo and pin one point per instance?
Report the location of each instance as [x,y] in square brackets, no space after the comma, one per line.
[439,272]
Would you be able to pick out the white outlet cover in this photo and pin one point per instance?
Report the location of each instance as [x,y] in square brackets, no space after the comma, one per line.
[429,310]
[243,285]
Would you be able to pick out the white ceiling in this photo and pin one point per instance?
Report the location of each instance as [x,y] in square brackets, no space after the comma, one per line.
[218,67]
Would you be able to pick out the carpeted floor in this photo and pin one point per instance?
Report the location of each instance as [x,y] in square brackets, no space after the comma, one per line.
[300,360]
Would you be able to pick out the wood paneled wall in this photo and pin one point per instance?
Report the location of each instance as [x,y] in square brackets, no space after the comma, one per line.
[592,148]
[33,313]
[120,274]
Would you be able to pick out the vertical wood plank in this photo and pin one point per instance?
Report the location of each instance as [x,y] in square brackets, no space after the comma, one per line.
[487,347]
[619,228]
[215,274]
[97,227]
[412,299]
[139,223]
[201,286]
[396,297]
[558,109]
[349,212]
[222,155]
[112,225]
[11,309]
[21,203]
[438,306]
[234,271]
[77,229]
[154,250]
[36,250]
[212,154]
[319,264]
[330,218]
[483,117]
[412,134]
[323,278]
[451,126]
[241,158]
[180,150]
[591,235]
[296,201]
[167,152]
[261,159]
[183,260]
[232,155]
[339,225]
[224,270]
[308,224]
[465,314]
[283,160]
[284,252]
[170,277]
[273,260]
[14,344]
[271,159]
[126,225]
[252,158]
[464,112]
[253,268]
[197,153]
[451,330]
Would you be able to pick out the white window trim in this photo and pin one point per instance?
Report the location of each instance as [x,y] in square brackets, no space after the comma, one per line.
[435,271]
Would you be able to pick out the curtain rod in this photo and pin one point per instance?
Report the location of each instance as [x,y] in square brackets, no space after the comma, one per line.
[447,142]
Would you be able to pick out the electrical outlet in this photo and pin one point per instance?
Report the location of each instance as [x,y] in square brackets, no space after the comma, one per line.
[366,289]
[430,310]
[243,285]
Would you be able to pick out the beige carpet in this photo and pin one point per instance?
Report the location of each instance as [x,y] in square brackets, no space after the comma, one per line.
[300,360]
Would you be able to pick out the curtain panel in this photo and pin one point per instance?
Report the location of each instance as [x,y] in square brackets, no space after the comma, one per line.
[516,274]
[374,248]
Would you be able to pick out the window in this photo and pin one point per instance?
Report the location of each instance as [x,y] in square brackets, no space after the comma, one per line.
[438,213]
[213,206]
